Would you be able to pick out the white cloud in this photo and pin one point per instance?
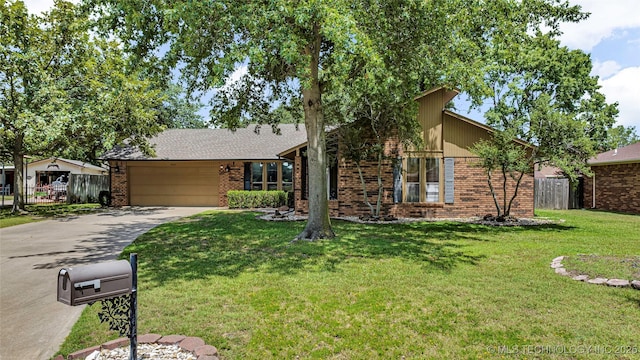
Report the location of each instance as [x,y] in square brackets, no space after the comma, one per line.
[605,69]
[606,17]
[624,87]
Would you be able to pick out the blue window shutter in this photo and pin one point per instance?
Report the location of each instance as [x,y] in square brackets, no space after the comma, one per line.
[448,180]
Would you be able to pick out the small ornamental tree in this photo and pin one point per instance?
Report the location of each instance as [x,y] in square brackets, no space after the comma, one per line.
[505,163]
[542,94]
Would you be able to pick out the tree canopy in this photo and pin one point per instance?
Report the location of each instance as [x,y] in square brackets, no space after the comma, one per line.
[64,92]
[326,54]
[542,93]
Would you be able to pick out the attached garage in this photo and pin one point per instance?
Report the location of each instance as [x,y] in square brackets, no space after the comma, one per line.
[173,183]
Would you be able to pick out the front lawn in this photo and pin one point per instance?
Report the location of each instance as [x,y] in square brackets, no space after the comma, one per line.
[414,290]
[40,212]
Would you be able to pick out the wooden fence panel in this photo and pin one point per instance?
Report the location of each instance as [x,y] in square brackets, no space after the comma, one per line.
[84,188]
[552,194]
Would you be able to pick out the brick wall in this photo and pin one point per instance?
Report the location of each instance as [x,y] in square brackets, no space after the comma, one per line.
[617,188]
[119,184]
[472,196]
[230,180]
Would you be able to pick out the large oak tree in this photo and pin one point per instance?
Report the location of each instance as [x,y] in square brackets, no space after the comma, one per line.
[310,50]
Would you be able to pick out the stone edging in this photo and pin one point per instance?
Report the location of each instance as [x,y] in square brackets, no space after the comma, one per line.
[556,264]
[194,345]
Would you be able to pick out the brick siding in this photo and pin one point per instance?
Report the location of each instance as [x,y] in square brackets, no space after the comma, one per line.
[119,184]
[230,180]
[617,188]
[472,196]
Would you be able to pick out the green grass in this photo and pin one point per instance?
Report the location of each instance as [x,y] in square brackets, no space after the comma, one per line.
[42,212]
[610,267]
[414,291]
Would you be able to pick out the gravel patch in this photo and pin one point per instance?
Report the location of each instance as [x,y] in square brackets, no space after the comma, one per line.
[272,215]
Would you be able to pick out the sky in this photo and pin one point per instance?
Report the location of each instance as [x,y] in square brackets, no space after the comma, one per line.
[611,35]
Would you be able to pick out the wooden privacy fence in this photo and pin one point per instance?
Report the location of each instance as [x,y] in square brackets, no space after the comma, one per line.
[551,194]
[83,189]
[557,194]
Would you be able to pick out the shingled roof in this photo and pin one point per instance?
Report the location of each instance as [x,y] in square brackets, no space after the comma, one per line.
[217,144]
[627,154]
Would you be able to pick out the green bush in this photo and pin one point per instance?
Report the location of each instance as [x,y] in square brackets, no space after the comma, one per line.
[240,199]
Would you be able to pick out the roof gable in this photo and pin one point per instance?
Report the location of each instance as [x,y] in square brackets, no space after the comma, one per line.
[77,163]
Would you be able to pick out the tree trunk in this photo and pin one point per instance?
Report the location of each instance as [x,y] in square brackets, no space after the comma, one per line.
[380,185]
[515,194]
[504,192]
[364,190]
[493,193]
[319,224]
[18,178]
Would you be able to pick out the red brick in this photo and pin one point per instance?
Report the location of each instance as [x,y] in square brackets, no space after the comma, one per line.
[617,188]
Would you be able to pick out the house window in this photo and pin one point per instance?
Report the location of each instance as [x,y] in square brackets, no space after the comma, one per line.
[413,180]
[272,176]
[269,176]
[432,177]
[422,180]
[256,176]
[287,176]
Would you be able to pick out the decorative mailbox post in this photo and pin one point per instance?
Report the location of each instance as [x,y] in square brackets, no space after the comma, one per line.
[115,284]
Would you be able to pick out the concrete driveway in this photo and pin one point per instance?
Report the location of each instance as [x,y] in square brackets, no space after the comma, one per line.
[33,324]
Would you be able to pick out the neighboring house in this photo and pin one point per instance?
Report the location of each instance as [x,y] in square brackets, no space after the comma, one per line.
[615,184]
[44,172]
[196,167]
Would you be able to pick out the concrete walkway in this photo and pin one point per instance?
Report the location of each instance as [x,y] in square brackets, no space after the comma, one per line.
[33,324]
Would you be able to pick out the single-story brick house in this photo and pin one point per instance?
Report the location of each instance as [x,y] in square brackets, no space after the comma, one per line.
[615,184]
[196,167]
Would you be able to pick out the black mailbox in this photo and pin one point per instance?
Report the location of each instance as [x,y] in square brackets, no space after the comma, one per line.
[90,283]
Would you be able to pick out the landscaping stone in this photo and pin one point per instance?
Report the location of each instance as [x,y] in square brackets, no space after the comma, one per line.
[149,338]
[556,264]
[208,357]
[206,350]
[171,339]
[110,345]
[81,354]
[562,271]
[581,277]
[618,283]
[191,343]
[150,346]
[598,281]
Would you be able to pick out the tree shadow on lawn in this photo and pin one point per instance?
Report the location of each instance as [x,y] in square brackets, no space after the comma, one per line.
[229,244]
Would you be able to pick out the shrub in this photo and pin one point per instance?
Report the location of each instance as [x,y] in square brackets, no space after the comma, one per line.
[240,199]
